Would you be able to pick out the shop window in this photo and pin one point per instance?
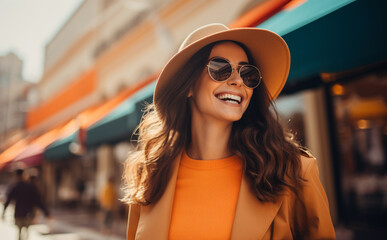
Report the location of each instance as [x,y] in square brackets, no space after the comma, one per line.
[360,117]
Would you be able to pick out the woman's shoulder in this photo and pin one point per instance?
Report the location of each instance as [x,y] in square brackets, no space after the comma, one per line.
[308,163]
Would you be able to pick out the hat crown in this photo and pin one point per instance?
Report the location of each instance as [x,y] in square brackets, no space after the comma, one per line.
[203,32]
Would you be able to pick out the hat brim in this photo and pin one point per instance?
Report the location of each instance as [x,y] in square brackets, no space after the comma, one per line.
[269,50]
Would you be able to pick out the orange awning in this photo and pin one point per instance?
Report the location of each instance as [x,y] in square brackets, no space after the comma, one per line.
[74,92]
[30,147]
[259,13]
[11,152]
[32,154]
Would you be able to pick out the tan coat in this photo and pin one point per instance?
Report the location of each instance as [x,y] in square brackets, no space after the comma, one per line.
[253,219]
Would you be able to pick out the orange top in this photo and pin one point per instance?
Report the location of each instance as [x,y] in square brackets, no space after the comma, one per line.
[205,198]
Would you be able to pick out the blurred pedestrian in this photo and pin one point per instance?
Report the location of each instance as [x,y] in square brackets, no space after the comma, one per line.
[33,181]
[26,199]
[213,162]
[80,189]
[107,199]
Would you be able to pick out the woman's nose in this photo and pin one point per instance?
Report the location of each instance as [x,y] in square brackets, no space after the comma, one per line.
[235,79]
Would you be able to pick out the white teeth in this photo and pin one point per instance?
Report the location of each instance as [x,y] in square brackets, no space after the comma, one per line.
[230,98]
[231,101]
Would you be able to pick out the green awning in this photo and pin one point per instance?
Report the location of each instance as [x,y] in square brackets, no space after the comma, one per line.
[332,35]
[121,122]
[60,149]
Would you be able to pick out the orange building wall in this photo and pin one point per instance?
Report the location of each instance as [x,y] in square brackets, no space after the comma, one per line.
[75,91]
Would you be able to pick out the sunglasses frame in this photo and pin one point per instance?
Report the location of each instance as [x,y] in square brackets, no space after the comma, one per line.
[232,71]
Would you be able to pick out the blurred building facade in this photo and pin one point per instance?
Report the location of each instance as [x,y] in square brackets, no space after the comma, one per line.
[13,98]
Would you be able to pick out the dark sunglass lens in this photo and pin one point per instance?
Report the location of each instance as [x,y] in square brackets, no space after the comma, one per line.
[219,69]
[250,75]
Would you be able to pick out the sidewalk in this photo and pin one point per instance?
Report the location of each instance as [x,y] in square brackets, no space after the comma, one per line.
[64,225]
[87,224]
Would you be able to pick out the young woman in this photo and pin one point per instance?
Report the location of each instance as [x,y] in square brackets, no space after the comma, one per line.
[212,160]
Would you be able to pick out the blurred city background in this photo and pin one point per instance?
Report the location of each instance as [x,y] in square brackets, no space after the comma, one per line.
[71,125]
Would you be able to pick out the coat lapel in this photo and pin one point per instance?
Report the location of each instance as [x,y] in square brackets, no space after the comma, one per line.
[155,219]
[252,217]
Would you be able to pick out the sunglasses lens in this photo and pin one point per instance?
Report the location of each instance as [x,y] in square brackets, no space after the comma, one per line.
[219,69]
[250,75]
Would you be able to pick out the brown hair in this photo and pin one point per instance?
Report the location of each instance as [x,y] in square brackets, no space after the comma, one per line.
[270,157]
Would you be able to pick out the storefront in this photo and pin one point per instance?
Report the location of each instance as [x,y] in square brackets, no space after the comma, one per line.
[359,120]
[335,101]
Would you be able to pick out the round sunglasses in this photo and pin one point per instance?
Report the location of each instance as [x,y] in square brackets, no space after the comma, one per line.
[220,69]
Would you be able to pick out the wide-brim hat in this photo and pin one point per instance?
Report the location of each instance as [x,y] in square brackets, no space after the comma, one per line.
[269,50]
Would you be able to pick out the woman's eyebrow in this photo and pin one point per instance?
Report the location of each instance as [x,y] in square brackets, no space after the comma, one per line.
[243,63]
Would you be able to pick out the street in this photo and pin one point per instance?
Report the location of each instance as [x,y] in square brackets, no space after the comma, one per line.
[60,227]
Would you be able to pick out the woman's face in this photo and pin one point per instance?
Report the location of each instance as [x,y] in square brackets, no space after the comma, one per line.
[211,99]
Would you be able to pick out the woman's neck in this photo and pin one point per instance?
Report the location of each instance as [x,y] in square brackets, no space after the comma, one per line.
[210,140]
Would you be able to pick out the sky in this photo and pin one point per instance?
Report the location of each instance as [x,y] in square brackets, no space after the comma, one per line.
[26,26]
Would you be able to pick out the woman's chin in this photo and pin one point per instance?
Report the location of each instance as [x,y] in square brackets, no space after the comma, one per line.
[231,117]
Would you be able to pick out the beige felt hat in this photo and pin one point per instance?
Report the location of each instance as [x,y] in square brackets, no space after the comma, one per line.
[269,50]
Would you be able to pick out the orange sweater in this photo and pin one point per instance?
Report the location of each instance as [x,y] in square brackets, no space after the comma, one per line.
[205,198]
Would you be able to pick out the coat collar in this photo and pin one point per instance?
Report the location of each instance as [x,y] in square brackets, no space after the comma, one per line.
[155,218]
[252,217]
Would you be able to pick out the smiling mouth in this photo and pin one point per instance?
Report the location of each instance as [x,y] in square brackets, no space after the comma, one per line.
[227,97]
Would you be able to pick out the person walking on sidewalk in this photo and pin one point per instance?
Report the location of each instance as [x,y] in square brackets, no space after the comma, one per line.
[212,160]
[26,198]
[107,199]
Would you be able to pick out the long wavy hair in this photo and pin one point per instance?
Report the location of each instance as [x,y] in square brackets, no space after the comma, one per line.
[271,158]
